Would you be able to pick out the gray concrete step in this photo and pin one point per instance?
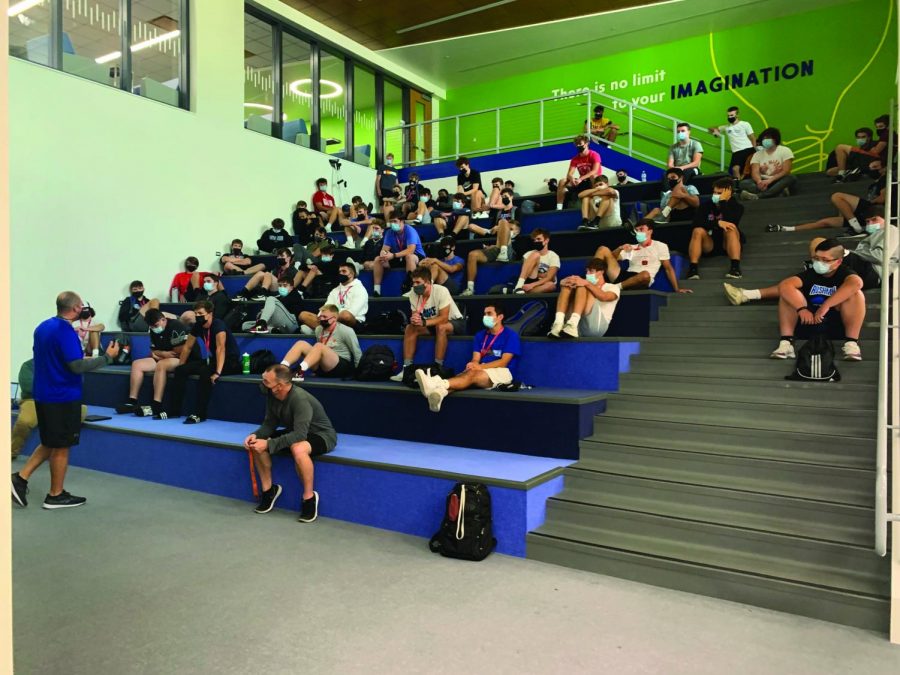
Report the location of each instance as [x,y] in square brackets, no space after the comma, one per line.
[714,330]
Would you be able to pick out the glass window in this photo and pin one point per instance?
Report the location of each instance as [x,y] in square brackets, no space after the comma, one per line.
[29,30]
[259,85]
[296,101]
[363,116]
[156,49]
[92,40]
[332,105]
[393,117]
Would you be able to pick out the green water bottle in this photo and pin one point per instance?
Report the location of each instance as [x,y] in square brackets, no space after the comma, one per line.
[245,363]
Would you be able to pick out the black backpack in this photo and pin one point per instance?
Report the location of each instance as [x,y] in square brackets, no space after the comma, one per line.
[392,322]
[815,362]
[261,359]
[529,320]
[376,364]
[467,529]
[235,318]
[124,357]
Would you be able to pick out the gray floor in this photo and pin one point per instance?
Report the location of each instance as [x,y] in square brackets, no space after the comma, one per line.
[152,579]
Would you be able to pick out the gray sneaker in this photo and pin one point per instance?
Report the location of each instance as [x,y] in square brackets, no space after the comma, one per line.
[63,500]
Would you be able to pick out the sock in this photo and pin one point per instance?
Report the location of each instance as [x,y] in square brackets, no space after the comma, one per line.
[752,294]
[692,267]
[560,318]
[559,207]
[304,366]
[789,338]
[788,228]
[735,264]
[470,285]
[286,363]
[666,211]
[156,407]
[440,362]
[376,288]
[504,250]
[132,401]
[850,339]
[520,282]
[574,319]
[407,362]
[854,223]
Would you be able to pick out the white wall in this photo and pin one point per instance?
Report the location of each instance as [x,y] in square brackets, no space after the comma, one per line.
[107,187]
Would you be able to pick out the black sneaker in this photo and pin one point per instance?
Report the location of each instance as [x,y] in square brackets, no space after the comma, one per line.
[375,294]
[19,490]
[63,501]
[309,509]
[267,499]
[774,227]
[193,419]
[734,273]
[126,408]
[585,225]
[161,415]
[144,411]
[693,272]
[260,327]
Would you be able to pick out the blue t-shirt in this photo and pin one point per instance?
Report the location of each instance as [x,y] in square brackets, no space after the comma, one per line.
[56,344]
[456,276]
[397,241]
[492,347]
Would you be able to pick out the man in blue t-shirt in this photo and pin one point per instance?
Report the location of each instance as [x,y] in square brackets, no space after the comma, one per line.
[446,268]
[402,248]
[58,366]
[495,361]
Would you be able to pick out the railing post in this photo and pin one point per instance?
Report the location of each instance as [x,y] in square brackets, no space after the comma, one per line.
[541,125]
[588,116]
[722,154]
[457,136]
[631,131]
[497,131]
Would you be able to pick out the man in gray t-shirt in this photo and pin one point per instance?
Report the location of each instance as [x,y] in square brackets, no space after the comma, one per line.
[335,353]
[686,153]
[305,431]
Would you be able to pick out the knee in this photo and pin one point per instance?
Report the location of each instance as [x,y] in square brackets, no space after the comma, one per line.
[644,277]
[697,233]
[300,449]
[444,329]
[601,251]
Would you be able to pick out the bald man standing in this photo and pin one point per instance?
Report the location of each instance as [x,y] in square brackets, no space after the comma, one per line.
[58,367]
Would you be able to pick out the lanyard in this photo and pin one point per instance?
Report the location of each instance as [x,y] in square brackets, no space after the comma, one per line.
[486,346]
[325,338]
[401,241]
[421,305]
[343,296]
[207,340]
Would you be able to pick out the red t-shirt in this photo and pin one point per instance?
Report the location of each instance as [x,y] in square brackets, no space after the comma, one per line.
[584,164]
[182,280]
[322,201]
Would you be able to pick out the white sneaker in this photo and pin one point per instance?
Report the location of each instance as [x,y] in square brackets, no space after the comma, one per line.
[555,329]
[851,351]
[423,378]
[785,350]
[748,196]
[735,295]
[503,257]
[467,292]
[436,397]
[398,377]
[570,330]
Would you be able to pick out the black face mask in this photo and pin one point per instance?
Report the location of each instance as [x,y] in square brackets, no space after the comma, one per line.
[621,179]
[344,278]
[505,201]
[537,245]
[282,262]
[325,323]
[672,182]
[236,251]
[191,268]
[86,313]
[598,115]
[580,148]
[732,119]
[137,295]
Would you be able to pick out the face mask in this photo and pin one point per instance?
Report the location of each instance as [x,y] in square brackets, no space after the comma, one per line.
[283,291]
[397,192]
[327,258]
[283,262]
[621,179]
[389,162]
[505,201]
[376,234]
[423,199]
[344,278]
[320,237]
[716,198]
[208,286]
[236,251]
[641,237]
[324,322]
[488,321]
[419,289]
[672,182]
[85,314]
[157,329]
[682,135]
[322,187]
[395,227]
[580,148]
[732,119]
[457,205]
[768,143]
[598,115]
[872,228]
[191,267]
[513,234]
[591,278]
[137,294]
[496,187]
[821,267]
[861,142]
[537,245]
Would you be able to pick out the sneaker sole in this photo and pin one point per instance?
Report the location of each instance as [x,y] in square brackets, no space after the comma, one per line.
[782,357]
[315,514]
[422,380]
[434,402]
[734,276]
[272,505]
[852,358]
[53,507]
[21,502]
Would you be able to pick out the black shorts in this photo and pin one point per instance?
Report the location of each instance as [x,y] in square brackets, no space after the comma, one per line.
[739,158]
[624,275]
[859,213]
[59,423]
[865,270]
[459,327]
[581,187]
[342,370]
[397,263]
[192,294]
[833,326]
[318,444]
[682,215]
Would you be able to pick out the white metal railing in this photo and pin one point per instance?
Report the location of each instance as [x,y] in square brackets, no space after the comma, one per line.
[888,334]
[644,134]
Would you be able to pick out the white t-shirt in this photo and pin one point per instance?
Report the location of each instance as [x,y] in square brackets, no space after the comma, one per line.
[646,258]
[667,195]
[771,163]
[353,297]
[596,322]
[548,260]
[738,135]
[614,217]
[430,307]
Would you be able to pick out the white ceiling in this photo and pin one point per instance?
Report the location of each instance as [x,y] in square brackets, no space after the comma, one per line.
[484,57]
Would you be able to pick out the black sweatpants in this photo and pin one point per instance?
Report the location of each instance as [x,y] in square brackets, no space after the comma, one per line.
[204,385]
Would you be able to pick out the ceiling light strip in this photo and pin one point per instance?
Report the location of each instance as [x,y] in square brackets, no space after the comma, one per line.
[452,17]
[24,6]
[112,56]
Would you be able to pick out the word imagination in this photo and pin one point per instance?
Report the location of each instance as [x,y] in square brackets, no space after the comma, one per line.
[749,78]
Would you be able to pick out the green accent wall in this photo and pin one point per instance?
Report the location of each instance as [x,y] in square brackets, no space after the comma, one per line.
[845,62]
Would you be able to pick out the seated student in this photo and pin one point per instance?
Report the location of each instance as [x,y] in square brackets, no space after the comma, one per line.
[187,283]
[865,260]
[539,266]
[385,178]
[717,230]
[448,269]
[133,309]
[508,247]
[214,291]
[589,303]
[444,202]
[402,248]
[584,168]
[432,311]
[372,247]
[456,219]
[167,340]
[307,432]
[349,296]
[236,262]
[601,203]
[279,313]
[88,331]
[511,186]
[468,182]
[304,223]
[495,356]
[770,169]
[222,358]
[356,224]
[392,202]
[679,202]
[268,281]
[318,274]
[686,153]
[852,160]
[493,198]
[644,260]
[600,126]
[501,208]
[422,212]
[324,205]
[274,238]
[740,138]
[320,240]
[828,296]
[621,177]
[851,209]
[335,352]
[411,194]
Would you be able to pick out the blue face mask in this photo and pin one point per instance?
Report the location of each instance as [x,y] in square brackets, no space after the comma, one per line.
[457,205]
[423,198]
[283,291]
[395,227]
[716,198]
[389,161]
[682,135]
[327,258]
[872,228]
[488,321]
[157,329]
[861,142]
[768,143]
[376,234]
[208,286]
[591,278]
[641,237]
[821,267]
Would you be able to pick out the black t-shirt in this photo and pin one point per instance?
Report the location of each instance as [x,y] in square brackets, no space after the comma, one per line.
[293,302]
[372,248]
[388,179]
[174,334]
[220,301]
[817,288]
[305,225]
[413,190]
[444,205]
[208,337]
[708,214]
[468,181]
[273,239]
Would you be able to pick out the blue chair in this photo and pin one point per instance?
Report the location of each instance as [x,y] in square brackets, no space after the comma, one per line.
[38,49]
[295,131]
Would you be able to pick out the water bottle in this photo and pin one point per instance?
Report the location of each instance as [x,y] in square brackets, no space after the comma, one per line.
[643,176]
[245,363]
[173,295]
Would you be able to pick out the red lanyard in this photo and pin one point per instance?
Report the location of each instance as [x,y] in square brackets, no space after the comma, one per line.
[401,241]
[486,346]
[421,305]
[325,338]
[207,340]
[343,296]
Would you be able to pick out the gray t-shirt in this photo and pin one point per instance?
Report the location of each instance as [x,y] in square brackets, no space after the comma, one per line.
[684,154]
[342,340]
[302,415]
